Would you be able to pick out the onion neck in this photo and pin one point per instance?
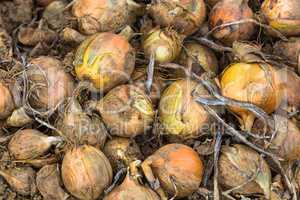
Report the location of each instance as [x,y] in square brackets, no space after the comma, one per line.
[247,121]
[127,32]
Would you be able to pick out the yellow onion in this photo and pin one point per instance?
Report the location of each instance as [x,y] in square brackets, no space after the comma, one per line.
[132,189]
[256,83]
[238,165]
[104,59]
[126,111]
[178,168]
[230,11]
[20,179]
[283,15]
[18,118]
[286,141]
[80,128]
[7,104]
[201,59]
[30,144]
[289,51]
[86,172]
[163,44]
[121,152]
[50,85]
[186,16]
[179,115]
[49,183]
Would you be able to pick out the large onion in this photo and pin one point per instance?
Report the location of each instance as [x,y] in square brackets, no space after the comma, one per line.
[230,11]
[283,15]
[238,82]
[178,168]
[7,104]
[104,59]
[86,172]
[126,111]
[184,15]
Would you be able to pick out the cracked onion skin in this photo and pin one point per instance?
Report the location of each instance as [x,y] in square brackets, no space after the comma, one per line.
[283,15]
[86,172]
[229,11]
[105,59]
[175,164]
[181,116]
[186,16]
[264,89]
[7,104]
[126,111]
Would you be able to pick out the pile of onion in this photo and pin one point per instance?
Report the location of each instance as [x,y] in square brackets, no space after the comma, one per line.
[186,16]
[231,11]
[179,115]
[264,89]
[178,168]
[105,60]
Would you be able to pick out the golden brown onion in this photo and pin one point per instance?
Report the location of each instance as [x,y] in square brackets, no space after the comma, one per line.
[30,144]
[49,183]
[86,172]
[7,104]
[50,84]
[126,111]
[105,59]
[121,152]
[175,165]
[283,15]
[239,164]
[256,83]
[179,115]
[186,16]
[230,11]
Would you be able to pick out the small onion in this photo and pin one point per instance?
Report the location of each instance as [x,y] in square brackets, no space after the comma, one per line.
[121,152]
[126,111]
[30,144]
[132,189]
[238,165]
[239,83]
[175,165]
[186,16]
[20,179]
[49,183]
[230,11]
[86,172]
[179,115]
[7,104]
[202,59]
[163,44]
[50,84]
[105,59]
[283,15]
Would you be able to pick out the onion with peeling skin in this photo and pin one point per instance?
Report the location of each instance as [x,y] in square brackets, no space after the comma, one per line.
[7,104]
[86,172]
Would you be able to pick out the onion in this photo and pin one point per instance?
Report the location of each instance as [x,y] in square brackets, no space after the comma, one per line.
[18,118]
[238,165]
[186,16]
[201,59]
[50,85]
[80,128]
[179,115]
[121,152]
[286,141]
[49,184]
[86,172]
[7,104]
[238,82]
[163,44]
[132,189]
[230,11]
[126,111]
[283,15]
[20,179]
[105,59]
[178,168]
[30,144]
